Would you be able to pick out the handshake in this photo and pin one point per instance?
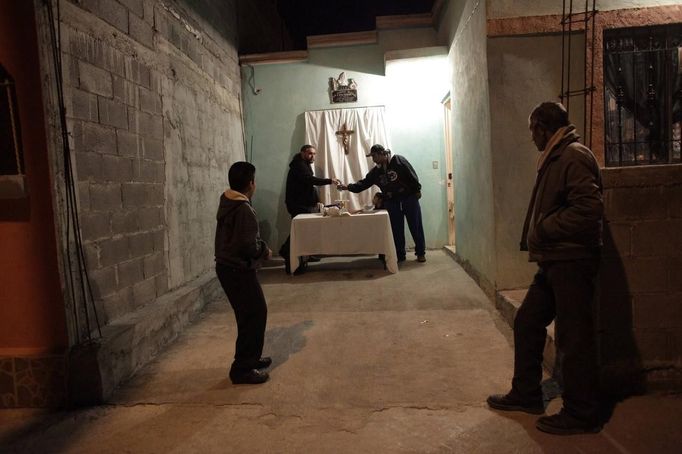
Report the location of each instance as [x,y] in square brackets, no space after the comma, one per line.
[340,186]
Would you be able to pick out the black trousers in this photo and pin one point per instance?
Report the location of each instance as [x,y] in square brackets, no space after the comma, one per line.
[564,291]
[293,212]
[251,312]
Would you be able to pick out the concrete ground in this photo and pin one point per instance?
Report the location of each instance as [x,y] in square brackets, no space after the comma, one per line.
[363,361]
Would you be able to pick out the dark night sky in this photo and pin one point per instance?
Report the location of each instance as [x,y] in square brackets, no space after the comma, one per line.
[319,17]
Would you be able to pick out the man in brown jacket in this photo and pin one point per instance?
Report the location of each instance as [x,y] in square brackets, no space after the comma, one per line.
[563,234]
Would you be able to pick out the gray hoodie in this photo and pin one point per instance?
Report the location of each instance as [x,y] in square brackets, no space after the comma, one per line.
[237,238]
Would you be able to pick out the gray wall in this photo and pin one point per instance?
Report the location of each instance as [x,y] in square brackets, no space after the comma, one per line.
[519,8]
[472,154]
[523,71]
[152,95]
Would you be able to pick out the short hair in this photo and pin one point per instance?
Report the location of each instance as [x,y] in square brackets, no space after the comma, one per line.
[240,175]
[551,116]
[306,147]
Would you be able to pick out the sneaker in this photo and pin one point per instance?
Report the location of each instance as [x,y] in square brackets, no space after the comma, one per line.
[507,402]
[421,258]
[250,377]
[564,424]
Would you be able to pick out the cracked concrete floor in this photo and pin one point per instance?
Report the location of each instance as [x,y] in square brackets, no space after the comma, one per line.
[363,361]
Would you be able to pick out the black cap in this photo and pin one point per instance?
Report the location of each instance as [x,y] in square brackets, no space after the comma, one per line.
[377,149]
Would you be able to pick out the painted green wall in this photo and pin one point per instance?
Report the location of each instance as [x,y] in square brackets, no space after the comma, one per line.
[275,98]
[523,71]
[472,155]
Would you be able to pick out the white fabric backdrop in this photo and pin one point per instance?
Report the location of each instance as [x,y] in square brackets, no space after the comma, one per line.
[331,160]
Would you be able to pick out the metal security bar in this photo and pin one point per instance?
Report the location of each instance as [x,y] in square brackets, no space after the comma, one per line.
[643,95]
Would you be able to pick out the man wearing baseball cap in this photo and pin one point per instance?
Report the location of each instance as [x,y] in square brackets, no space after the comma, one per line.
[400,185]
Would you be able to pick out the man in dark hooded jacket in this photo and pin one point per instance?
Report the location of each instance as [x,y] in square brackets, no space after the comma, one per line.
[239,251]
[301,194]
[563,234]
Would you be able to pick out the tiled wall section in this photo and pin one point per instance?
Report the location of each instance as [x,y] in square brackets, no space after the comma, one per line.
[641,302]
[32,382]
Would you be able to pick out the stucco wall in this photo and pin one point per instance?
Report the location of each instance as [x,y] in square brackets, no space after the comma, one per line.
[152,92]
[518,8]
[523,72]
[472,155]
[275,128]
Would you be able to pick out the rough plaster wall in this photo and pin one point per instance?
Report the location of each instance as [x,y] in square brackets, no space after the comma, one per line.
[471,144]
[152,94]
[519,8]
[523,71]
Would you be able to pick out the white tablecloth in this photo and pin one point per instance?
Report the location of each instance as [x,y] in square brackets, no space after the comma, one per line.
[365,233]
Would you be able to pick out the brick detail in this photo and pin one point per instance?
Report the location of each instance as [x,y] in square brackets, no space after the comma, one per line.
[95,226]
[103,281]
[136,6]
[141,244]
[110,11]
[95,80]
[112,113]
[113,251]
[125,91]
[658,310]
[130,273]
[141,31]
[96,138]
[105,197]
[144,292]
[83,105]
[127,143]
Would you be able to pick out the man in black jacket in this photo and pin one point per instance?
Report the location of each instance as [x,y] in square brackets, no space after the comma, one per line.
[239,251]
[301,194]
[563,234]
[401,193]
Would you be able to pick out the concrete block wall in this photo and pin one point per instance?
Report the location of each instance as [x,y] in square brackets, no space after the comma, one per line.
[641,290]
[153,112]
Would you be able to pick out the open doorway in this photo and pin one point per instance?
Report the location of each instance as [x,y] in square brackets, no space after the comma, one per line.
[450,186]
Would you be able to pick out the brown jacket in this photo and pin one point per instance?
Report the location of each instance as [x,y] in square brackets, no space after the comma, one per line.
[564,218]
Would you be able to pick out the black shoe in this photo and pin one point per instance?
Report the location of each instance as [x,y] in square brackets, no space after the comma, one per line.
[314,258]
[421,258]
[287,266]
[507,402]
[250,377]
[401,259]
[301,269]
[264,362]
[564,424]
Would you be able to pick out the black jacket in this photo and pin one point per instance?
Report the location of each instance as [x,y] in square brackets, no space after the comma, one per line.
[301,194]
[237,238]
[397,180]
[564,218]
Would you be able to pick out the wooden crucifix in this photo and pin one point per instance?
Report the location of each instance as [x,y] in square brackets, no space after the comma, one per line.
[345,134]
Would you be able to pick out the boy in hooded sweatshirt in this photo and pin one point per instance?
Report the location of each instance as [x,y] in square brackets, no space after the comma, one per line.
[239,252]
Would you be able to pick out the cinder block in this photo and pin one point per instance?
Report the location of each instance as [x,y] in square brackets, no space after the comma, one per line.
[99,139]
[125,91]
[160,240]
[161,284]
[136,6]
[148,12]
[652,345]
[137,195]
[95,225]
[83,195]
[154,264]
[95,80]
[141,244]
[127,143]
[144,292]
[124,222]
[117,169]
[113,251]
[103,281]
[658,310]
[150,218]
[152,149]
[674,196]
[88,166]
[118,303]
[141,31]
[82,105]
[130,273]
[150,101]
[91,251]
[137,72]
[658,238]
[112,113]
[149,171]
[145,124]
[105,197]
[110,11]
[617,239]
[635,203]
[675,274]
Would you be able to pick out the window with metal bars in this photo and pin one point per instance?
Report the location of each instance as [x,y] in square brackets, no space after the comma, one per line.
[643,95]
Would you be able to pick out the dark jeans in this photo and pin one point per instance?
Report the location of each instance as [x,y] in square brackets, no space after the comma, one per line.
[562,291]
[251,312]
[409,209]
[293,212]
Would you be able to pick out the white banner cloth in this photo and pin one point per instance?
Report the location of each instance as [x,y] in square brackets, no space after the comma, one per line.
[332,162]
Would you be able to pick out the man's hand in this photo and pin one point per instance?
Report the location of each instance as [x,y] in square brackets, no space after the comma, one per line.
[336,181]
[341,187]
